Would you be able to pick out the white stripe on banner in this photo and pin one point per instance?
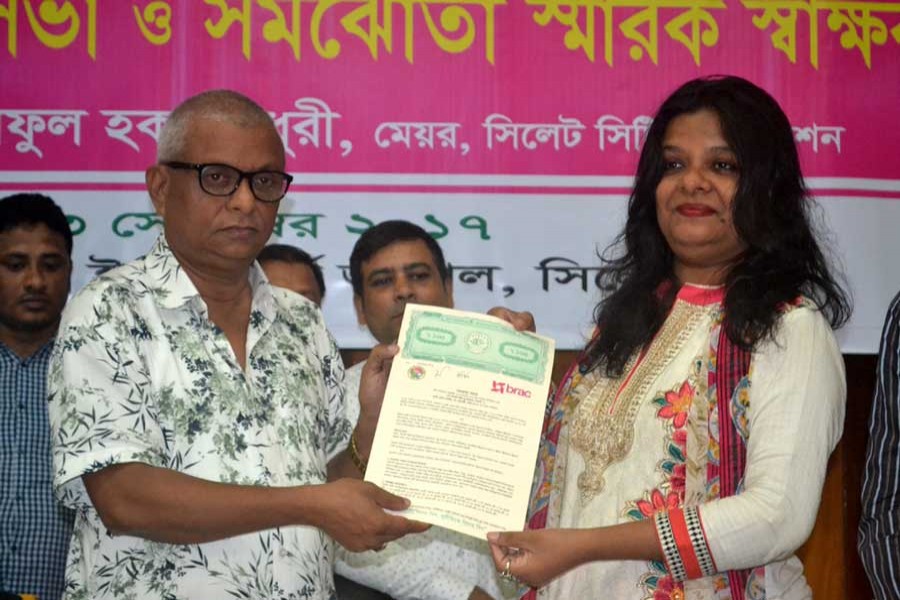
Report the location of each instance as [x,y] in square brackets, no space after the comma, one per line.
[430,180]
[81,177]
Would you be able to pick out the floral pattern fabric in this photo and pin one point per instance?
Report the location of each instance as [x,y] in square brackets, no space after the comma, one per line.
[674,409]
[140,374]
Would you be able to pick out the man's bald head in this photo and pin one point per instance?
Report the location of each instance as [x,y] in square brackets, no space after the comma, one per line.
[224,106]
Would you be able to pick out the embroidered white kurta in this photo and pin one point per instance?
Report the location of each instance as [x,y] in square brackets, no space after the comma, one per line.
[639,443]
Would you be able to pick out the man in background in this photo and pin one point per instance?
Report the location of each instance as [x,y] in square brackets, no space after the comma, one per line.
[392,264]
[879,527]
[294,269]
[35,271]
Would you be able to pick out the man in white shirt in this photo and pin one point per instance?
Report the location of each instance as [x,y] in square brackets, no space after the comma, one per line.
[392,264]
[196,410]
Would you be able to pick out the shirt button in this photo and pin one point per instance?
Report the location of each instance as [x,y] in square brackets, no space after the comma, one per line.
[13,549]
[21,406]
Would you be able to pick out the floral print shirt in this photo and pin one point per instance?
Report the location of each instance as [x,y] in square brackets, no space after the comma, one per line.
[140,374]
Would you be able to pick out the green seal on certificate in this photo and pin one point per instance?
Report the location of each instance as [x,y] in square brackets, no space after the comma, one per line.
[476,344]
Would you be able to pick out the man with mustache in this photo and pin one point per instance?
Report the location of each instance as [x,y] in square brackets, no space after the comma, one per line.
[197,410]
[392,264]
[35,269]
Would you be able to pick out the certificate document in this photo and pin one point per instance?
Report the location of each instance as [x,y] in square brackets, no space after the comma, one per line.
[460,425]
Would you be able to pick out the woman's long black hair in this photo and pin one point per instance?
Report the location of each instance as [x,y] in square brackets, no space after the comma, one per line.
[772,216]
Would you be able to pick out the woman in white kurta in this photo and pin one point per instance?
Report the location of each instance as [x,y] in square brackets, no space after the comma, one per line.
[685,452]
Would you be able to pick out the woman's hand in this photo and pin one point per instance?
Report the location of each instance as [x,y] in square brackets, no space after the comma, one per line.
[536,557]
[522,321]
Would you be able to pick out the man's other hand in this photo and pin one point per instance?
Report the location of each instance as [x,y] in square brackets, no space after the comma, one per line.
[479,594]
[371,390]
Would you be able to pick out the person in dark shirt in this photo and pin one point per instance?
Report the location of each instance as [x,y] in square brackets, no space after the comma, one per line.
[293,269]
[879,528]
[35,269]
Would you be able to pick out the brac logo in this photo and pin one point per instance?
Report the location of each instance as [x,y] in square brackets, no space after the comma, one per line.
[499,387]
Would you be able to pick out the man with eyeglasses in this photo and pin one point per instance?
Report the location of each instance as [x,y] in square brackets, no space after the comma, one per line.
[196,410]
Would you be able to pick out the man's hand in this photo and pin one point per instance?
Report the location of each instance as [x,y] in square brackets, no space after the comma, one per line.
[352,512]
[371,393]
[167,506]
[522,321]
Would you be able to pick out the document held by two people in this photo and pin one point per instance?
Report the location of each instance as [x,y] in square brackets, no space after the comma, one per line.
[461,420]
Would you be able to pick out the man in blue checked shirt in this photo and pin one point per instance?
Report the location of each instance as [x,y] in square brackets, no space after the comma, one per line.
[35,269]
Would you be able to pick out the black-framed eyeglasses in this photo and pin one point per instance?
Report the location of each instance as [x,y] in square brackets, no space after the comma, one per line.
[223,180]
